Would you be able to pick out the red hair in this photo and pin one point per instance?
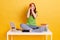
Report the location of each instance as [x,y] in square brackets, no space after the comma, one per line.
[34,9]
[31,4]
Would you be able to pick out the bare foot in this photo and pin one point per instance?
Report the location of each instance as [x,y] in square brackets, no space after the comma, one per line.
[30,30]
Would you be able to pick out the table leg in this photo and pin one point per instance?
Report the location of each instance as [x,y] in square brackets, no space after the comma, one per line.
[7,37]
[46,37]
[11,37]
[51,36]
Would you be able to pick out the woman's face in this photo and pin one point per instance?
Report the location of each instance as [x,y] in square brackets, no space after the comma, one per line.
[32,6]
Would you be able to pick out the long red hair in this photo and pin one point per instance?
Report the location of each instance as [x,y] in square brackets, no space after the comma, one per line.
[34,9]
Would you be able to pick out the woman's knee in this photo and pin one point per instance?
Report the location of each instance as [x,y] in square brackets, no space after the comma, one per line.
[25,26]
[22,25]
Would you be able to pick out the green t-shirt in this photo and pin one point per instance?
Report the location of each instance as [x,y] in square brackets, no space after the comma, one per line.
[31,21]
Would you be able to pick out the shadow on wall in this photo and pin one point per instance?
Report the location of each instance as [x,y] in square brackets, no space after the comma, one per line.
[23,15]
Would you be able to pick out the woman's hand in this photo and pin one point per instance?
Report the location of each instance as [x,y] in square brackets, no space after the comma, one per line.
[33,13]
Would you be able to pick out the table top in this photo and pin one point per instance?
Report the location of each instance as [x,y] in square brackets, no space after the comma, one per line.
[28,33]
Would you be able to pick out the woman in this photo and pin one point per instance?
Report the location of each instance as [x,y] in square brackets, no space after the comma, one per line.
[31,15]
[31,23]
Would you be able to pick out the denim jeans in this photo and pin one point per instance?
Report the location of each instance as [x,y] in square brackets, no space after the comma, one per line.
[34,28]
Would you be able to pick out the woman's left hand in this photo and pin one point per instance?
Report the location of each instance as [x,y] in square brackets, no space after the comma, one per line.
[32,10]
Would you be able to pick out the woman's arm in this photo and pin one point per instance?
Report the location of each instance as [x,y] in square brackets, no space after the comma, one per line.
[28,14]
[34,14]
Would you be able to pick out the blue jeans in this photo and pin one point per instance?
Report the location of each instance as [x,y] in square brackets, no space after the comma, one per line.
[34,28]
